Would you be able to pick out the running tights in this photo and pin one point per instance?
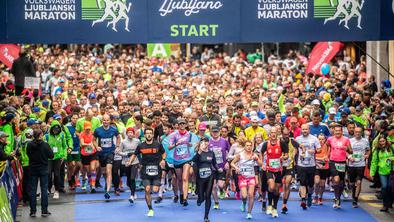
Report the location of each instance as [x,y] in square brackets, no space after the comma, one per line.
[205,186]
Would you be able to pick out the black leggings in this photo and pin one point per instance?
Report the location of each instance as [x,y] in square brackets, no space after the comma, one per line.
[235,178]
[131,172]
[205,186]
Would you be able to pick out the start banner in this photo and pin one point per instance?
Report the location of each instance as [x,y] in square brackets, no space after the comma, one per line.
[194,21]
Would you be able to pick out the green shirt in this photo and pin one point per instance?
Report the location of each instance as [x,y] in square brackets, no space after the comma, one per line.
[96,123]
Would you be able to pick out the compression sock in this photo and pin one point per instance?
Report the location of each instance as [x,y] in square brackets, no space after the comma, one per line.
[270,198]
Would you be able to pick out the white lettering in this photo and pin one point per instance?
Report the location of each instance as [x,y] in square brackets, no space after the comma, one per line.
[189,6]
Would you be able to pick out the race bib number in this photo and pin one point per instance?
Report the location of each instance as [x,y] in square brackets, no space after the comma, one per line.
[341,167]
[218,155]
[205,172]
[54,149]
[181,152]
[74,152]
[246,171]
[106,142]
[274,163]
[152,170]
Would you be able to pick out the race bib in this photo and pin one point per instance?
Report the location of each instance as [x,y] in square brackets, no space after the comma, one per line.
[106,142]
[152,170]
[54,149]
[205,172]
[74,152]
[358,156]
[341,167]
[88,149]
[181,152]
[274,163]
[246,171]
[218,155]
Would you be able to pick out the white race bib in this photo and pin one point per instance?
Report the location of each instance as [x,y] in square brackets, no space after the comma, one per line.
[205,172]
[54,149]
[218,155]
[152,170]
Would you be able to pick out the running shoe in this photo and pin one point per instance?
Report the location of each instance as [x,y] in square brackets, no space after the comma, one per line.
[216,206]
[56,195]
[269,210]
[243,206]
[339,203]
[303,205]
[84,184]
[309,201]
[264,206]
[158,200]
[206,220]
[260,199]
[175,199]
[345,194]
[107,196]
[335,205]
[93,189]
[355,204]
[151,213]
[131,199]
[315,200]
[320,201]
[117,192]
[45,214]
[98,184]
[275,213]
[222,194]
[185,203]
[249,216]
[284,209]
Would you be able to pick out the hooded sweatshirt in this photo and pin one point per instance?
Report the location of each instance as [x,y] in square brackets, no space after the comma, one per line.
[58,143]
[38,152]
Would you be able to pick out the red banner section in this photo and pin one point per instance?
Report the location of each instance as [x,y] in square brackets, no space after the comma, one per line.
[8,54]
[322,53]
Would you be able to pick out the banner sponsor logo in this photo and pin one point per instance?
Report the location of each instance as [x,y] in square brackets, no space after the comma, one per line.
[322,53]
[188,6]
[342,10]
[282,9]
[49,10]
[110,11]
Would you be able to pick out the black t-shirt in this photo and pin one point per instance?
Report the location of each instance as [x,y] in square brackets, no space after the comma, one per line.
[205,163]
[150,158]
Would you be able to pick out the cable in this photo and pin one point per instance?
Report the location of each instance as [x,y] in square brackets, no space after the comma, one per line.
[373,59]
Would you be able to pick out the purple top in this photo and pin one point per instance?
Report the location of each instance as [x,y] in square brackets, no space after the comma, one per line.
[182,151]
[220,148]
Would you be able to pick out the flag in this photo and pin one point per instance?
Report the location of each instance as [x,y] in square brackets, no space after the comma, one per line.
[322,53]
[8,54]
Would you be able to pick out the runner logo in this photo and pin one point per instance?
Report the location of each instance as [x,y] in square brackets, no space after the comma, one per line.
[111,11]
[344,10]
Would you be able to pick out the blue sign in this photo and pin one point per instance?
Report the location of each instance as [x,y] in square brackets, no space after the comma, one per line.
[7,181]
[194,21]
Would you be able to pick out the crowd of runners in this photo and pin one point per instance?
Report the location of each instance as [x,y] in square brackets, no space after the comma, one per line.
[226,126]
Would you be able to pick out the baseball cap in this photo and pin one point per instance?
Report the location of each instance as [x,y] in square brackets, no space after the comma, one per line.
[332,111]
[316,102]
[92,96]
[87,125]
[202,126]
[254,103]
[215,129]
[57,116]
[3,134]
[130,129]
[36,109]
[45,103]
[181,120]
[31,122]
[254,119]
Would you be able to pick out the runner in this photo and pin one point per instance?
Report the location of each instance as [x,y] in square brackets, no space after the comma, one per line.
[151,155]
[236,149]
[339,146]
[322,170]
[356,163]
[89,156]
[181,142]
[288,166]
[276,151]
[309,146]
[220,147]
[244,164]
[127,148]
[205,163]
[106,139]
[74,155]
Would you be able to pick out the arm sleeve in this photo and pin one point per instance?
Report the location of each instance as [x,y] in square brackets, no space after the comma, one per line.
[281,103]
[374,163]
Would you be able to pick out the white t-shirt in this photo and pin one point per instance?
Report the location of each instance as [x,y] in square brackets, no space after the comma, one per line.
[360,147]
[310,142]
